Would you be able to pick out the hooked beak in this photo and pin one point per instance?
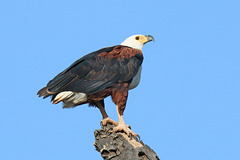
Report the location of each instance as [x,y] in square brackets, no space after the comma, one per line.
[149,38]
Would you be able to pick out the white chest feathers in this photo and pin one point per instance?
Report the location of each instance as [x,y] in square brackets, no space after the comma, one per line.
[136,79]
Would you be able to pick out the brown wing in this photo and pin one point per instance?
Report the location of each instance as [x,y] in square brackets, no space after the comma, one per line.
[97,71]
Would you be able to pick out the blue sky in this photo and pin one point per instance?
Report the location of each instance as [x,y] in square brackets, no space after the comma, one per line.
[186,107]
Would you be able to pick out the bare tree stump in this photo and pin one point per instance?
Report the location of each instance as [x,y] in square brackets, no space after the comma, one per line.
[118,146]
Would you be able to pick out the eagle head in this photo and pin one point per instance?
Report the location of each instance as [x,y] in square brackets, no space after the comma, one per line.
[137,41]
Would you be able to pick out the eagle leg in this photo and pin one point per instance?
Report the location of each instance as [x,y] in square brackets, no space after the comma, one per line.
[105,119]
[122,126]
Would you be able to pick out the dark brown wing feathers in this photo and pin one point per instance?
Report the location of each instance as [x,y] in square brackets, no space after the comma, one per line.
[97,71]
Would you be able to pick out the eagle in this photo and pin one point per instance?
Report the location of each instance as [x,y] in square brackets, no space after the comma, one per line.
[110,71]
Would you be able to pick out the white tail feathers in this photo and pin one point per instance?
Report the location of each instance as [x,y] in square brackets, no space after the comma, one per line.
[62,96]
[70,99]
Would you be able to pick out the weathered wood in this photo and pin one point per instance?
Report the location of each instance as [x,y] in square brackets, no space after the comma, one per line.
[118,146]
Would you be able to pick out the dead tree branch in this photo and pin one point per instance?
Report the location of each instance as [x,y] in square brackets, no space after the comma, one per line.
[118,146]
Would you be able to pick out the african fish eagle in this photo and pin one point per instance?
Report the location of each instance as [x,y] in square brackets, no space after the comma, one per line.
[110,71]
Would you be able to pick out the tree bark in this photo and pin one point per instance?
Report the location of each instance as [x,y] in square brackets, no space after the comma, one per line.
[118,146]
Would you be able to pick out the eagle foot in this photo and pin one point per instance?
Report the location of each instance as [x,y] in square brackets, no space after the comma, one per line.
[107,120]
[121,127]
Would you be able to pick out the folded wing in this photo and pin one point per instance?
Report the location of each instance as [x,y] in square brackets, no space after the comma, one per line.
[93,73]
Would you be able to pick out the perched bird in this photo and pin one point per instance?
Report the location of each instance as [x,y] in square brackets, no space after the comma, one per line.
[110,71]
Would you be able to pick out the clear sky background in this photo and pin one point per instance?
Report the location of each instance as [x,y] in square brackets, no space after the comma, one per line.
[187,105]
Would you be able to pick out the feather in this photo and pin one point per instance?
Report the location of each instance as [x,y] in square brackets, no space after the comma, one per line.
[95,72]
[62,96]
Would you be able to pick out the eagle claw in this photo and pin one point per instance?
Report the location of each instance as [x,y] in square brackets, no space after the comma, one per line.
[109,129]
[130,136]
[138,138]
[124,128]
[107,120]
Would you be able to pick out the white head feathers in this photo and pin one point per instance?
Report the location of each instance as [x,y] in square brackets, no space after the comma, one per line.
[137,41]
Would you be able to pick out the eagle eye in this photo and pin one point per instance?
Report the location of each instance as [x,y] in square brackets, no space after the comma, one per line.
[137,38]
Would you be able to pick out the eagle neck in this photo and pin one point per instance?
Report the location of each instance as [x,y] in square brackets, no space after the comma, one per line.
[138,46]
[121,52]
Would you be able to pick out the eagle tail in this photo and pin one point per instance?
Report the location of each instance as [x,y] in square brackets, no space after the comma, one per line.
[43,92]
